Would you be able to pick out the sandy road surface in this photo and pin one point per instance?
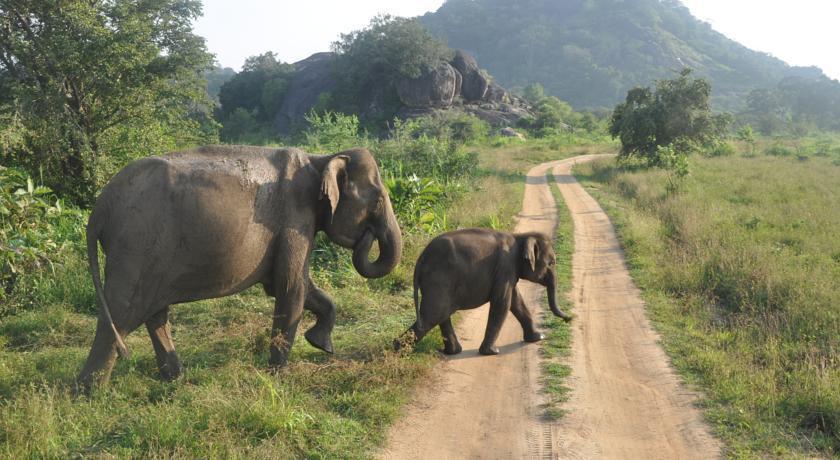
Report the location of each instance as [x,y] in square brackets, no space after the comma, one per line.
[626,402]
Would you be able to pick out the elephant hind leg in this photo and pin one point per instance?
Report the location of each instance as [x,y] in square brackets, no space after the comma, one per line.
[451,346]
[161,334]
[101,359]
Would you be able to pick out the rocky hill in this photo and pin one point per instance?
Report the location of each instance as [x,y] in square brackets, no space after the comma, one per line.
[590,52]
[458,85]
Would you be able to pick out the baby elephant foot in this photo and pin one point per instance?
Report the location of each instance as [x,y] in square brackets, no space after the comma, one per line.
[488,350]
[533,336]
[451,348]
[319,339]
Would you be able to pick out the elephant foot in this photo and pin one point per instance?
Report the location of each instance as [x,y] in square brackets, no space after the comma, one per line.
[488,351]
[172,369]
[533,336]
[277,357]
[452,348]
[319,340]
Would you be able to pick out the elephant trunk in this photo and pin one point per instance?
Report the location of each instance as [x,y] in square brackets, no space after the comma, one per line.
[389,239]
[551,290]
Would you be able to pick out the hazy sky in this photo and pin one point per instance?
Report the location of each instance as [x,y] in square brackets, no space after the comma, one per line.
[802,32]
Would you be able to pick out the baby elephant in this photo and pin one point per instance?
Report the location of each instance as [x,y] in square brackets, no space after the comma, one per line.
[464,269]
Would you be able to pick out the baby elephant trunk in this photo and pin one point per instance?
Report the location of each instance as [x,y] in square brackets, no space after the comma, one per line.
[551,288]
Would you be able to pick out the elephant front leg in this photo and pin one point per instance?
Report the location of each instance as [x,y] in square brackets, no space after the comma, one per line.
[523,315]
[319,303]
[288,308]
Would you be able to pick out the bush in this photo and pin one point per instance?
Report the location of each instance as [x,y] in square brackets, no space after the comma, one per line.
[36,232]
[456,126]
[720,149]
[778,150]
[333,132]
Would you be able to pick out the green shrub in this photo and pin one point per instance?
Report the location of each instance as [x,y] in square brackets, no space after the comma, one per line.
[778,150]
[36,232]
[720,149]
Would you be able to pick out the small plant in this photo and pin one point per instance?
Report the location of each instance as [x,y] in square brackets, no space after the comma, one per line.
[746,135]
[675,163]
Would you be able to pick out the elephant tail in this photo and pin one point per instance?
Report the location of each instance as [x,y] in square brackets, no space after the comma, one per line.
[93,262]
[417,290]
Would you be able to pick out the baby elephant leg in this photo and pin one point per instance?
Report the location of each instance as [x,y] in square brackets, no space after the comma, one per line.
[451,346]
[499,305]
[523,315]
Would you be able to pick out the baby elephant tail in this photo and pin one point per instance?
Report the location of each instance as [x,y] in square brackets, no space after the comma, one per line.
[417,292]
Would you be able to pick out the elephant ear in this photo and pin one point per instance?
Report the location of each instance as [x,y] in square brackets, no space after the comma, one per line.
[529,251]
[329,180]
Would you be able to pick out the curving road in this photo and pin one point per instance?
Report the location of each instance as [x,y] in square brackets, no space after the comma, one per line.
[626,401]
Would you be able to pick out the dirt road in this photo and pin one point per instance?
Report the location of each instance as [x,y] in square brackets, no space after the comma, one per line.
[626,401]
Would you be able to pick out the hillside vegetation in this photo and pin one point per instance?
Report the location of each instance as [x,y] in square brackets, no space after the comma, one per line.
[590,52]
[740,271]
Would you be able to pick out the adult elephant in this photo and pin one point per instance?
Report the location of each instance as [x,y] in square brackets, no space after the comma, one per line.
[213,221]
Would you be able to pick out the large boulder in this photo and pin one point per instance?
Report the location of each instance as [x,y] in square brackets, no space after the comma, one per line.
[496,93]
[434,88]
[475,83]
[313,77]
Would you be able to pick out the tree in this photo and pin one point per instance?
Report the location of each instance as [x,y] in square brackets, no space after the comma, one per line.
[372,59]
[534,93]
[258,90]
[675,113]
[390,47]
[90,81]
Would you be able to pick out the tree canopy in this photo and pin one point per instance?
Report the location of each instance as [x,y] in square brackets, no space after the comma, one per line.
[675,113]
[86,86]
[250,100]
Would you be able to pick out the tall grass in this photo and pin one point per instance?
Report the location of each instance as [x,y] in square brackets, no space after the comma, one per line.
[741,271]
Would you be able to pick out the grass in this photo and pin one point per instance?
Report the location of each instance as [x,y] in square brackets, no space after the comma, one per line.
[558,332]
[740,270]
[228,404]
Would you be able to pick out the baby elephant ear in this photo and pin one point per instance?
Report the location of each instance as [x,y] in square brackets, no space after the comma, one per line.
[530,251]
[329,180]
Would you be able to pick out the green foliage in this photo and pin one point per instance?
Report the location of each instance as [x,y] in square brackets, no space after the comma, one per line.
[720,149]
[591,52]
[675,113]
[371,60]
[216,77]
[534,93]
[80,77]
[389,48]
[332,132]
[457,126]
[36,232]
[797,105]
[258,90]
[739,271]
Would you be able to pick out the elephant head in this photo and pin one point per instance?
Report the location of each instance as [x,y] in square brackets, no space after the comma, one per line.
[538,266]
[358,211]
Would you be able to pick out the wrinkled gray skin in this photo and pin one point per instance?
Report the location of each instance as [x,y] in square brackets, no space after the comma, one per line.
[467,268]
[214,221]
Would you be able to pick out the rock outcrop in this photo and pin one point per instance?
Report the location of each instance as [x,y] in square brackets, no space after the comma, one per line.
[475,83]
[435,88]
[459,85]
[313,76]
